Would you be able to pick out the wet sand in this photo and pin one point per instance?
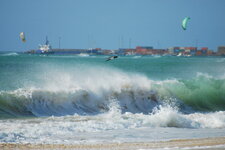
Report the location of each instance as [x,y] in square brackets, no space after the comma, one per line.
[217,143]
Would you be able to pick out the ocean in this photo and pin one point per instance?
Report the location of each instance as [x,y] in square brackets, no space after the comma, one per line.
[71,99]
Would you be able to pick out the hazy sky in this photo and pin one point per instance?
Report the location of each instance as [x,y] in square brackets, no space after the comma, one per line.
[111,24]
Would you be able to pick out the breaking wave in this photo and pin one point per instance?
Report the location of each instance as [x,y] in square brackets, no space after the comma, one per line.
[9,54]
[192,103]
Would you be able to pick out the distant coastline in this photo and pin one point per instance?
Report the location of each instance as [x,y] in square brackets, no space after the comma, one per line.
[139,50]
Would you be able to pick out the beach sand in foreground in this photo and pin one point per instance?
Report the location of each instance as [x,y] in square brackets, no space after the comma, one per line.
[205,143]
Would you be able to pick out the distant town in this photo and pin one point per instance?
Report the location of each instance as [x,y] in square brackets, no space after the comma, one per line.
[139,50]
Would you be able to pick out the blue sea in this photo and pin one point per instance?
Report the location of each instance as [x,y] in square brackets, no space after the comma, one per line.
[72,99]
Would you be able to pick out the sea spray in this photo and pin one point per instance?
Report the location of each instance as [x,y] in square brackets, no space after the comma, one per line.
[134,93]
[79,100]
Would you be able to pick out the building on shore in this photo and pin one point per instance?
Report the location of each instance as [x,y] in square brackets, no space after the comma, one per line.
[190,51]
[139,50]
[183,51]
[221,50]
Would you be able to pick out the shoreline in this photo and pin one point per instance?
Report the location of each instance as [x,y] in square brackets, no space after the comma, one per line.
[215,143]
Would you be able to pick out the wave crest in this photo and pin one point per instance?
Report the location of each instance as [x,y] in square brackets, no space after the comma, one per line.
[86,92]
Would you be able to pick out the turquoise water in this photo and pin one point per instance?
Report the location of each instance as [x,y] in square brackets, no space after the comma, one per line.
[27,67]
[197,79]
[74,95]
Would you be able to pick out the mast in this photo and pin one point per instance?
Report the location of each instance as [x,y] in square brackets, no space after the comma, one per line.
[59,42]
[47,42]
[129,43]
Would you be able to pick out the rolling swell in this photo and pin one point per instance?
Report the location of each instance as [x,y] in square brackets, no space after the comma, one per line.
[203,93]
[59,103]
[13,105]
[133,93]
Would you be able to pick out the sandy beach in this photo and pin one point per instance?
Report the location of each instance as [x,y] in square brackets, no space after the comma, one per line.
[217,143]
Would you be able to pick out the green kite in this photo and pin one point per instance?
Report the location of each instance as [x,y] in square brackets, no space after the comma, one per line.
[184,22]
